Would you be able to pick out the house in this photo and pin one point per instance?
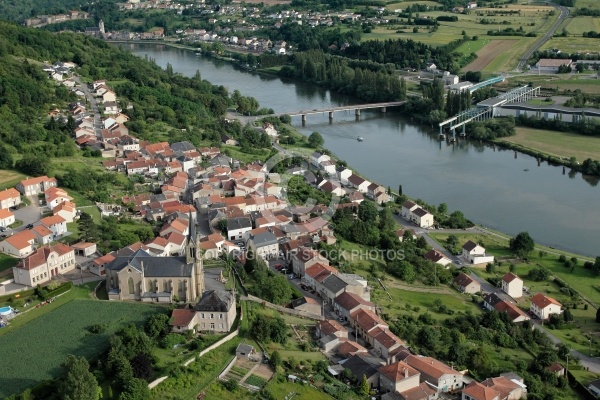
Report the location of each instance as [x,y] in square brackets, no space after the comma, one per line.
[431,67]
[66,210]
[45,263]
[594,387]
[183,320]
[407,208]
[55,196]
[35,186]
[466,284]
[330,327]
[477,391]
[316,273]
[344,174]
[421,392]
[264,244]
[401,234]
[19,244]
[347,303]
[543,306]
[6,218]
[472,5]
[42,234]
[421,218]
[436,373]
[9,198]
[216,311]
[305,258]
[552,64]
[385,342]
[437,257]
[238,228]
[56,224]
[398,377]
[492,301]
[512,285]
[556,369]
[475,253]
[349,348]
[358,183]
[317,158]
[363,321]
[509,388]
[364,365]
[307,304]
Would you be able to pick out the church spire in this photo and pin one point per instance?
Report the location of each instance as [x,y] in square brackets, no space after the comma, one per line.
[192,238]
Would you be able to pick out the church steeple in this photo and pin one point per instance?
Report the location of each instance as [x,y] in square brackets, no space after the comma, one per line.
[194,255]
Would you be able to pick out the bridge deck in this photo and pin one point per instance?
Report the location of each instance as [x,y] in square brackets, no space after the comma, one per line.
[342,108]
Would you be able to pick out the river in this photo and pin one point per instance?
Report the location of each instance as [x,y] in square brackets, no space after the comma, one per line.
[496,188]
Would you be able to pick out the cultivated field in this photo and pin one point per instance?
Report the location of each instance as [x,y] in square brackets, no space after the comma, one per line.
[33,353]
[488,53]
[578,25]
[10,178]
[560,144]
[584,82]
[572,44]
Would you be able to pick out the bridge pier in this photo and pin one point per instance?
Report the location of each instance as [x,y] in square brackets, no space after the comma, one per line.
[357,112]
[383,109]
[330,114]
[303,119]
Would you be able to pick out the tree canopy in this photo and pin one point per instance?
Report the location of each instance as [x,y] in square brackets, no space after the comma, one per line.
[522,244]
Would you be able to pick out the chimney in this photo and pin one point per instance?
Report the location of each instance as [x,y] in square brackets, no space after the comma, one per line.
[405,373]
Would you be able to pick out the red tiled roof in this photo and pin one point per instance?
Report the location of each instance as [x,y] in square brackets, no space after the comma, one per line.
[509,277]
[21,240]
[463,280]
[330,326]
[182,317]
[349,301]
[398,371]
[4,213]
[430,366]
[53,220]
[9,194]
[542,301]
[477,391]
[40,256]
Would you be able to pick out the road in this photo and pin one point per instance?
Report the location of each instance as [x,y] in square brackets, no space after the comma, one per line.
[564,13]
[94,106]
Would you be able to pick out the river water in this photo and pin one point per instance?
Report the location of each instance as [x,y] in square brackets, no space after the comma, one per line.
[496,188]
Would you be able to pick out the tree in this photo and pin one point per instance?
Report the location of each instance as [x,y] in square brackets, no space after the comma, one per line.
[157,325]
[135,389]
[522,244]
[142,366]
[315,140]
[88,230]
[79,383]
[6,160]
[275,359]
[34,164]
[400,190]
[364,387]
[367,212]
[452,240]
[567,315]
[598,315]
[442,208]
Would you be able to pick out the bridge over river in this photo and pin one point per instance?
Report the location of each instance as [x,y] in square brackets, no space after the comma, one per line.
[355,107]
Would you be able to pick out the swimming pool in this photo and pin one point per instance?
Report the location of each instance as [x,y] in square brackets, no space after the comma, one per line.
[6,311]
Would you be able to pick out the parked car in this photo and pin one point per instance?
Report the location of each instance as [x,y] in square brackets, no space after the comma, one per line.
[2,236]
[2,229]
[29,226]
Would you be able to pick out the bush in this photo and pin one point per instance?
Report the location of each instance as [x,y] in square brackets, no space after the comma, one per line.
[171,340]
[97,328]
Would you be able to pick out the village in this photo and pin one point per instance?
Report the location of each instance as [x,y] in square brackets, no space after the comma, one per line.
[211,207]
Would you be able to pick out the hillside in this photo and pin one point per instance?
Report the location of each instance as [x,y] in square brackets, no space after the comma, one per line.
[161,105]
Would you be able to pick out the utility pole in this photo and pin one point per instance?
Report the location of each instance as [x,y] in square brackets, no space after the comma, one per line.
[567,373]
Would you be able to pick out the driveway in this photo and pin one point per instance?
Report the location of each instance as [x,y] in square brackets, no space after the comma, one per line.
[29,215]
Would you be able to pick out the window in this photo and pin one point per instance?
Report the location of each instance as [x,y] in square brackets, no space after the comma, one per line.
[220,316]
[131,288]
[212,316]
[202,317]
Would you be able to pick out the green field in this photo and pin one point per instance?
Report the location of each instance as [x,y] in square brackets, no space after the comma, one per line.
[583,82]
[578,25]
[572,44]
[560,144]
[472,46]
[32,353]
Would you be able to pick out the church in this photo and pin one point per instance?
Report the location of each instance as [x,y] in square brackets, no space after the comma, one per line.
[142,276]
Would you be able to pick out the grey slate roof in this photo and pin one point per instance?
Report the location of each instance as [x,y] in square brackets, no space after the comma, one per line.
[215,300]
[182,146]
[333,283]
[153,266]
[361,365]
[238,223]
[263,239]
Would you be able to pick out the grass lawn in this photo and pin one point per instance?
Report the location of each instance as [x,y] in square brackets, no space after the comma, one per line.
[281,390]
[472,46]
[560,82]
[27,360]
[236,153]
[572,44]
[560,144]
[541,102]
[508,60]
[9,178]
[578,25]
[7,262]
